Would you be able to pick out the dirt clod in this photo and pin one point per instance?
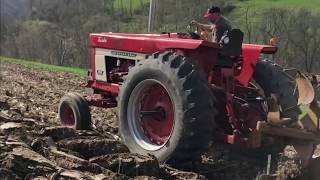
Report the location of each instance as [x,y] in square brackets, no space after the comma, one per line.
[42,144]
[129,164]
[10,126]
[93,147]
[7,174]
[25,161]
[72,162]
[168,172]
[58,133]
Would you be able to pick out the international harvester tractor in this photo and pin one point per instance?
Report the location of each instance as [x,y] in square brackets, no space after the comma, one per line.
[176,92]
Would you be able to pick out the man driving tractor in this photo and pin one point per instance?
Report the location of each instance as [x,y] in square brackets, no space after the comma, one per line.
[219,23]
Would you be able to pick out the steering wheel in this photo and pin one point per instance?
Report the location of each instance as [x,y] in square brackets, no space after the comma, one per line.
[193,34]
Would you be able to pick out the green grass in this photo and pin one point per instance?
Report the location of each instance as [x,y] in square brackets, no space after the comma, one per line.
[313,5]
[49,67]
[125,4]
[304,111]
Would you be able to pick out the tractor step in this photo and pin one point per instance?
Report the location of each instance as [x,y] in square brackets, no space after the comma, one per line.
[100,101]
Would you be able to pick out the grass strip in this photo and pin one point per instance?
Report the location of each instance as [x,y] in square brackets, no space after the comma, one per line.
[53,68]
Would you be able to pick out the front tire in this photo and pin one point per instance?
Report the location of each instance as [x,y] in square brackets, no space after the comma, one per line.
[166,109]
[74,112]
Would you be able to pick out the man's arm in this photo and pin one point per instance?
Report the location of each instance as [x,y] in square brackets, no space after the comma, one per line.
[204,27]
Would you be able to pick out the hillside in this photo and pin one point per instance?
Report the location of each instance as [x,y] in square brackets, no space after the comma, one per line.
[130,4]
[263,4]
[67,25]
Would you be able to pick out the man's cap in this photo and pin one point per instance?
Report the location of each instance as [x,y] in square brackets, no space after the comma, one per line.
[211,11]
[214,9]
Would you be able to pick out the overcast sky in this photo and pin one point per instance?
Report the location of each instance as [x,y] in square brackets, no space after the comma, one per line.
[12,10]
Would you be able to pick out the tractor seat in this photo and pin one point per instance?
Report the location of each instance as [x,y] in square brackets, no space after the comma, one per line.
[231,48]
[232,43]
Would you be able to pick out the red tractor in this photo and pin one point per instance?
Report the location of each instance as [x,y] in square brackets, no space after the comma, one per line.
[175,92]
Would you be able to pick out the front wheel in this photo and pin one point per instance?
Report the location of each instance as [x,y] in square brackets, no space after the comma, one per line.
[74,112]
[166,109]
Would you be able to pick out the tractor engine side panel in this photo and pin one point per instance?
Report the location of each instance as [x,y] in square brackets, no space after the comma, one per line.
[100,67]
[108,68]
[111,63]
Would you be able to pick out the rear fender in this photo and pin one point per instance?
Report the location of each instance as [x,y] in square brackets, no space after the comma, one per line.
[204,57]
[251,54]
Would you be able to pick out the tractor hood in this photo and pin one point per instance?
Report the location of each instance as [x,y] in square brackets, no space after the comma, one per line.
[152,43]
[146,43]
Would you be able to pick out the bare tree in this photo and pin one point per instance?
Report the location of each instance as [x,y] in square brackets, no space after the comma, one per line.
[298,36]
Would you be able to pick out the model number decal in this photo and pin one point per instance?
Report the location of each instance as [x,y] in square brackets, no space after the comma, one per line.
[100,72]
[120,53]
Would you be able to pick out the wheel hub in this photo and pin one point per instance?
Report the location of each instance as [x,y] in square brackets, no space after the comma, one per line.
[153,110]
[68,116]
[158,114]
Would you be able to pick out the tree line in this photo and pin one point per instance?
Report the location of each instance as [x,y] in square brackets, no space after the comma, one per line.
[57,31]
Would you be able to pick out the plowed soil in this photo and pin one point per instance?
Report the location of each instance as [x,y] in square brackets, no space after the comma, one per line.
[34,146]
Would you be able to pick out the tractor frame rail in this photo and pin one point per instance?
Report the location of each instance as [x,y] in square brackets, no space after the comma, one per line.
[290,132]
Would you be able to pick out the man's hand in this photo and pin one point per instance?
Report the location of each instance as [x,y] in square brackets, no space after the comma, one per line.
[194,23]
[204,27]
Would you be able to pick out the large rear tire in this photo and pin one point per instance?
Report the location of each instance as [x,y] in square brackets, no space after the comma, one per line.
[272,79]
[166,109]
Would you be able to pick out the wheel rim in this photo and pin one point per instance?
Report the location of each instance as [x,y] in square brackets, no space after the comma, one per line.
[68,116]
[150,115]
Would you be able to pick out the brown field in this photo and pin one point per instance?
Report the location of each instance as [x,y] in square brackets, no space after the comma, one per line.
[34,146]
